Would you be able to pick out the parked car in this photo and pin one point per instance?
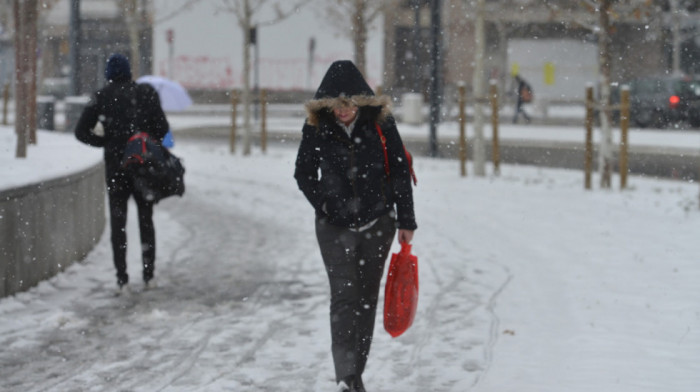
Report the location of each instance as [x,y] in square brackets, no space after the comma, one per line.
[694,102]
[664,101]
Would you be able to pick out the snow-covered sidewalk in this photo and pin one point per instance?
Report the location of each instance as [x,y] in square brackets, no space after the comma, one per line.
[528,283]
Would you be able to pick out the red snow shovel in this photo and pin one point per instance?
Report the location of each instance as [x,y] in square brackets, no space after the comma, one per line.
[401,291]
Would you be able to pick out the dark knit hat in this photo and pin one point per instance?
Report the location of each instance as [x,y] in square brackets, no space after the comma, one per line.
[343,79]
[117,69]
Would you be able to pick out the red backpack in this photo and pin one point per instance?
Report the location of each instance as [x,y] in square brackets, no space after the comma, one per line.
[386,156]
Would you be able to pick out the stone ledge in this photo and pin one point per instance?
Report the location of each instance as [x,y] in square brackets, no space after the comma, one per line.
[45,227]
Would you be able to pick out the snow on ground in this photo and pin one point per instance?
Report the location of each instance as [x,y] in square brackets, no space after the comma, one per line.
[528,283]
[55,155]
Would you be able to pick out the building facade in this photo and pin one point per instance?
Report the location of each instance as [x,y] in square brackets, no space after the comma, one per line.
[552,44]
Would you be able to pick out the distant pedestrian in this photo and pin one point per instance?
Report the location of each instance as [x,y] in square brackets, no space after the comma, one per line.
[358,206]
[124,107]
[523,92]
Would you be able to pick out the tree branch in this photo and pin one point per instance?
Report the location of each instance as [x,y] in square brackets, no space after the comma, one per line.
[178,11]
[281,15]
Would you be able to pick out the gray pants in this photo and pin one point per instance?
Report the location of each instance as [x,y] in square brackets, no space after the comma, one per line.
[355,265]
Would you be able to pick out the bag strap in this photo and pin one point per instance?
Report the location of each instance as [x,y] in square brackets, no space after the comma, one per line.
[386,156]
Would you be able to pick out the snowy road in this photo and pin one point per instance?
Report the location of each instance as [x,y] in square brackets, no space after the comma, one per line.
[524,286]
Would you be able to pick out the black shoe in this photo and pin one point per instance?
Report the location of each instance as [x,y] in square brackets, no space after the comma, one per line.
[343,387]
[351,384]
[147,271]
[122,279]
[359,385]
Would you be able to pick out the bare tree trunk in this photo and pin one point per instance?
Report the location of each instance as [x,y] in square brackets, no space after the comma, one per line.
[360,35]
[478,91]
[605,160]
[244,11]
[133,27]
[19,15]
[353,19]
[248,15]
[32,14]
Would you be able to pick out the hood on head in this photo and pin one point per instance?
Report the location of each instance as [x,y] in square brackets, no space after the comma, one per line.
[344,82]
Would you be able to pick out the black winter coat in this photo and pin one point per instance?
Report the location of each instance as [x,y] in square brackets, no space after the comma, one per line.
[123,108]
[353,188]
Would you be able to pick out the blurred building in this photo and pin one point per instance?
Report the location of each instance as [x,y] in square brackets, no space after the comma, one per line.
[103,30]
[551,43]
[7,54]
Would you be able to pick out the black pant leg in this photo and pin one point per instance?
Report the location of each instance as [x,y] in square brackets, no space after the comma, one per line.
[148,236]
[337,246]
[372,254]
[118,193]
[354,262]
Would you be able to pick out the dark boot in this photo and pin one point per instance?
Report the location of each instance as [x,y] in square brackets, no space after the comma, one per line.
[122,279]
[148,269]
[351,384]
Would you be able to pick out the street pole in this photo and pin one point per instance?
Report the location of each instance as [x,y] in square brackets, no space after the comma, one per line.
[435,80]
[416,46]
[675,37]
[170,38]
[75,39]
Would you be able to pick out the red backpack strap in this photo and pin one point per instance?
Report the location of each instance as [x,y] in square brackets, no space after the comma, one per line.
[410,166]
[143,136]
[386,156]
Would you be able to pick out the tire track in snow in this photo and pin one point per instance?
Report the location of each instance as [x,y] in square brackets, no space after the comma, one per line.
[200,274]
[446,286]
[259,245]
[494,330]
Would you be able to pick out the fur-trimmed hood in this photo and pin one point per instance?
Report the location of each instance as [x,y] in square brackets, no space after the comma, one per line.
[344,83]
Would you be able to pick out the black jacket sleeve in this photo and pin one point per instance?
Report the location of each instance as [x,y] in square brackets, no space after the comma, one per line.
[84,129]
[400,176]
[307,166]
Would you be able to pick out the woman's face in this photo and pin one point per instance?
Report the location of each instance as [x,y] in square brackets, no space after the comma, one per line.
[345,113]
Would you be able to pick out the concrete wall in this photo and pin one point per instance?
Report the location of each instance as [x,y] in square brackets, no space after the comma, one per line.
[46,227]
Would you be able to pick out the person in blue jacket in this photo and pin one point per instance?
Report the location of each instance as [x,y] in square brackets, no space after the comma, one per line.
[359,207]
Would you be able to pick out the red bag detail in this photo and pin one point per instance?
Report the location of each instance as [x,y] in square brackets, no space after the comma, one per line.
[527,93]
[386,156]
[401,291]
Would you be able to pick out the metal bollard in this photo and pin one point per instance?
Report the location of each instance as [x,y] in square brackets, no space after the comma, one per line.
[234,115]
[462,130]
[588,155]
[263,120]
[624,130]
[496,150]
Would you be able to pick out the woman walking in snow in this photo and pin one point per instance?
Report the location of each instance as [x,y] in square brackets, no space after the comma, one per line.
[359,205]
